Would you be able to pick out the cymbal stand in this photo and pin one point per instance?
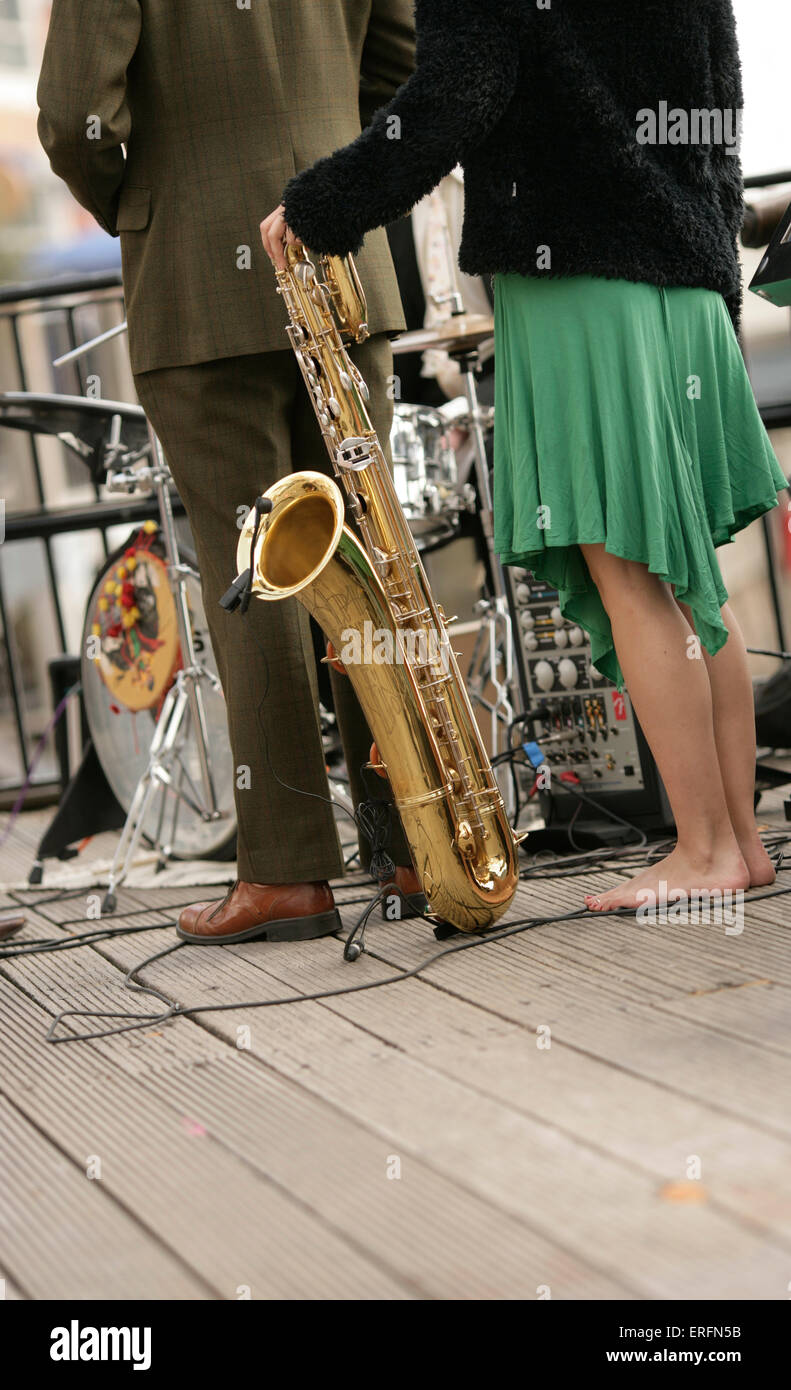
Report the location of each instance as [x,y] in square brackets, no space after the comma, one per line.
[494,649]
[493,656]
[164,757]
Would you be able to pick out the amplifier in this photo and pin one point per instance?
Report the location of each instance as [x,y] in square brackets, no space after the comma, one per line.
[584,727]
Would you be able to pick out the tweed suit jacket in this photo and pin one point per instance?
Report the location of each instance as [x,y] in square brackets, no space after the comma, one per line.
[178,123]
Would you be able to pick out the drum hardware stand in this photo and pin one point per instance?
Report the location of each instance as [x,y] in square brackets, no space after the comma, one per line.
[493,649]
[165,752]
[453,297]
[497,624]
[185,696]
[495,646]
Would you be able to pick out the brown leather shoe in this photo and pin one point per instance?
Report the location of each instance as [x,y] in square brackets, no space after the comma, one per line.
[266,911]
[405,885]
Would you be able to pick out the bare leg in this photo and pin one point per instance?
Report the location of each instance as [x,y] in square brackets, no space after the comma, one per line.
[734,733]
[672,697]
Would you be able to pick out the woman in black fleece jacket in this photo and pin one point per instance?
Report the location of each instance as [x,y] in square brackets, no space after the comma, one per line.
[603,191]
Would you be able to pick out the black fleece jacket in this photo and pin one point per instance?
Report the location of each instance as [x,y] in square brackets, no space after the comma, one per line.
[547,110]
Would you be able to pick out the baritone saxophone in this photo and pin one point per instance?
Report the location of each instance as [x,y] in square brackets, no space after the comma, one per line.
[416,704]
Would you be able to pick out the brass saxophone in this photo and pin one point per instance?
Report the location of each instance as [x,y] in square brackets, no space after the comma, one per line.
[462,845]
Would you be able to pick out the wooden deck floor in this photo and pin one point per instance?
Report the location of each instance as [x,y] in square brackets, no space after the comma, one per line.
[417,1140]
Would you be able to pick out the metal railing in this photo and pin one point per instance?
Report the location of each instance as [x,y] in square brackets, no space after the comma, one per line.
[39,322]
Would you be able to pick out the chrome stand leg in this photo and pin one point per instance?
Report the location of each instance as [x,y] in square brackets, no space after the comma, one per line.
[157,779]
[178,577]
[154,779]
[493,650]
[497,617]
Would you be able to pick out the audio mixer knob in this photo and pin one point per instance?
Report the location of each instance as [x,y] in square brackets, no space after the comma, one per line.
[569,675]
[556,616]
[576,637]
[544,674]
[527,619]
[531,641]
[522,593]
[561,638]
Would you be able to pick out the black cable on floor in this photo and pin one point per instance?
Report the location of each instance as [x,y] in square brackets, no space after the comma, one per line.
[180,1010]
[184,1011]
[40,946]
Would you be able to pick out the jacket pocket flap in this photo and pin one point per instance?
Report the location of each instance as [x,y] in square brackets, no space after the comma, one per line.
[134,209]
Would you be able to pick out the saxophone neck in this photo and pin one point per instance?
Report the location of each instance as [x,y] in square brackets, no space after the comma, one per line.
[343,288]
[347,295]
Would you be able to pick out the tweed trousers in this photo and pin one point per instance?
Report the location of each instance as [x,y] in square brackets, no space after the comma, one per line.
[230,428]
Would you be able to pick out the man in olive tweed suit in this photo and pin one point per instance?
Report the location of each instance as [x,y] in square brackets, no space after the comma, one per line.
[178,125]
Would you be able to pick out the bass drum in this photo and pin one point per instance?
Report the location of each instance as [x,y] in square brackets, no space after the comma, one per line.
[130,656]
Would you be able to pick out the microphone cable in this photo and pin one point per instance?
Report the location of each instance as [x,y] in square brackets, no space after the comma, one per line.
[173,1011]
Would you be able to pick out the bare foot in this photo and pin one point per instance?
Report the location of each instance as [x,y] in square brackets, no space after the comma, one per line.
[677,871]
[759,865]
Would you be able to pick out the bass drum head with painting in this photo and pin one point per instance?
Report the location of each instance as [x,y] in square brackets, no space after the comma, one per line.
[130,656]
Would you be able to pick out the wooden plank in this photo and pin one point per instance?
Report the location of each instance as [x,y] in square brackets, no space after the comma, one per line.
[228,1223]
[71,909]
[10,1290]
[674,958]
[65,1237]
[515,980]
[458,1085]
[444,1240]
[758,1011]
[744,1170]
[607,1212]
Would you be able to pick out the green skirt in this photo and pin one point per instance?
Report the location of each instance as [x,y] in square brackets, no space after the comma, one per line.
[624,415]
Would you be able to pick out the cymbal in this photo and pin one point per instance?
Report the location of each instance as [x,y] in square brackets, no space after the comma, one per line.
[457,334]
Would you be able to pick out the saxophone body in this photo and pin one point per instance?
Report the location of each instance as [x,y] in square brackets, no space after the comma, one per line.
[409,686]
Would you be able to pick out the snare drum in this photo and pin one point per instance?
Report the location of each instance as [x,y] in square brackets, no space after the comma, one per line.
[425,474]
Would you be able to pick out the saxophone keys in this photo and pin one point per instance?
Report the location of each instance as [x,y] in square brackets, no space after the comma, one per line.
[465,840]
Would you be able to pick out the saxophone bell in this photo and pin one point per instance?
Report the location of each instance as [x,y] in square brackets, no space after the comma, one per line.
[305,551]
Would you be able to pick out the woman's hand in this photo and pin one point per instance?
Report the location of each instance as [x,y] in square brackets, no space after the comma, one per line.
[276,234]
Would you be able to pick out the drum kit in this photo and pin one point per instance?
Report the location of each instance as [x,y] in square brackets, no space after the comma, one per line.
[426,476]
[152,698]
